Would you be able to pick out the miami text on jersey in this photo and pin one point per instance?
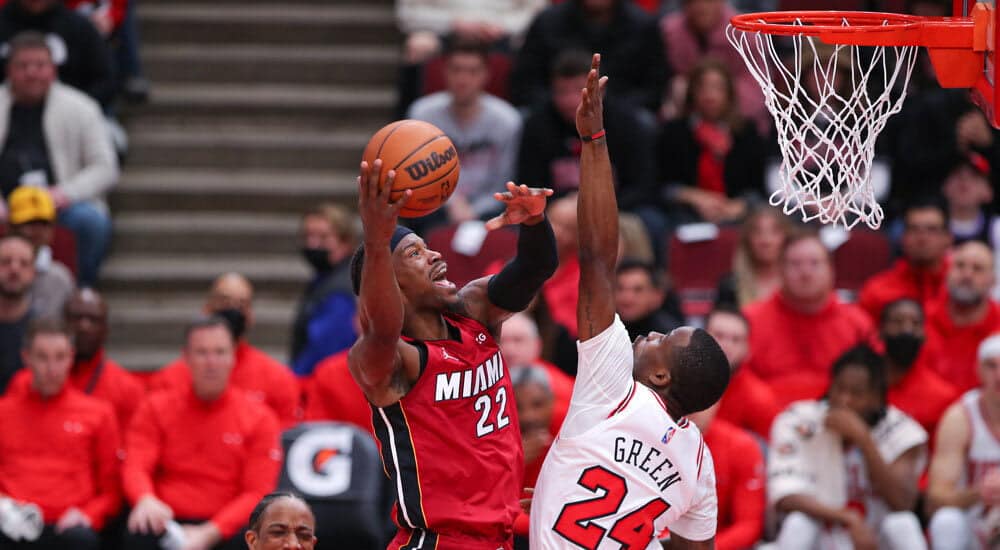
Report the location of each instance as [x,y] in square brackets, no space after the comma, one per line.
[470,382]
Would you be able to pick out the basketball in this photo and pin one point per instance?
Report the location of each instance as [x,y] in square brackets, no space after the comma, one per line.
[424,159]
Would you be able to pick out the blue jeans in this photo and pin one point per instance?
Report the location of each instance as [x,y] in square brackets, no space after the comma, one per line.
[92,229]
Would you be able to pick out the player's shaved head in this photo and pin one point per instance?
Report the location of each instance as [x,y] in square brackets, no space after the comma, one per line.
[699,373]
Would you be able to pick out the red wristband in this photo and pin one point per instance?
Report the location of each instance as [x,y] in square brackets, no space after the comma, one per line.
[598,135]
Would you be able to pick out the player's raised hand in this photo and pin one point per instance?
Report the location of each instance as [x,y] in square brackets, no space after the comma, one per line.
[524,205]
[590,111]
[378,214]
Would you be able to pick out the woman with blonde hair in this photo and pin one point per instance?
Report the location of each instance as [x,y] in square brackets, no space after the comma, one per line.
[756,272]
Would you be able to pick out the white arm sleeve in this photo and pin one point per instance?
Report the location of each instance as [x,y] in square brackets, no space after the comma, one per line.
[603,378]
[699,522]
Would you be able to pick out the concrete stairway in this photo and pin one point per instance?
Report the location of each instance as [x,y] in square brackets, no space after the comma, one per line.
[260,108]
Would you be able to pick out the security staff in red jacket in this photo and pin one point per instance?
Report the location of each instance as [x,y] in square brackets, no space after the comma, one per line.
[58,448]
[202,455]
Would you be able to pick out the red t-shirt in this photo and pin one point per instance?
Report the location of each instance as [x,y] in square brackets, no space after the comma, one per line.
[206,460]
[739,484]
[262,378]
[561,293]
[104,379]
[959,344]
[562,391]
[902,280]
[332,394]
[60,452]
[922,393]
[452,446]
[749,403]
[793,352]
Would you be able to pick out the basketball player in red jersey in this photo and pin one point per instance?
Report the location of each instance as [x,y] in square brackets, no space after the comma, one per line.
[428,362]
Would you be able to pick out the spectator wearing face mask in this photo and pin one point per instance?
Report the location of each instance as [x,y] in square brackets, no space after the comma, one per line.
[323,321]
[914,387]
[258,375]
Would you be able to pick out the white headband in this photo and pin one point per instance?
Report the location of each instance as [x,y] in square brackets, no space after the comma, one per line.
[989,348]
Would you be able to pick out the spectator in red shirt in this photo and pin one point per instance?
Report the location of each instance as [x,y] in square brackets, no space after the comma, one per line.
[94,373]
[739,480]
[958,323]
[800,330]
[914,387]
[920,273]
[202,455]
[521,346]
[748,403]
[58,448]
[263,378]
[332,394]
[533,396]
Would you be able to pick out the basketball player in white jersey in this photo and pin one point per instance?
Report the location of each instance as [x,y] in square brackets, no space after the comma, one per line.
[964,489]
[626,463]
[844,470]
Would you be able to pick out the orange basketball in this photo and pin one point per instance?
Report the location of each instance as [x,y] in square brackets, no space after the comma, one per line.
[424,159]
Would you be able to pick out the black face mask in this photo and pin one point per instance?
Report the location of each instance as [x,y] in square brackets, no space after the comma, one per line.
[235,319]
[902,349]
[318,258]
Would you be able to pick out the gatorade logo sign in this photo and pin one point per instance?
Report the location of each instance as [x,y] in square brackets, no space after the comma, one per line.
[419,169]
[319,462]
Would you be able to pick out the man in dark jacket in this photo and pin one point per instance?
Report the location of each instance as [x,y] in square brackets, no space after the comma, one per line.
[627,37]
[324,320]
[77,48]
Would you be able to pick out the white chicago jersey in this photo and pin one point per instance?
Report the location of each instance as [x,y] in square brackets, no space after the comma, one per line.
[621,469]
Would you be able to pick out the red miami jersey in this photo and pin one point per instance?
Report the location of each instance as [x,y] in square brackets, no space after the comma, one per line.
[452,446]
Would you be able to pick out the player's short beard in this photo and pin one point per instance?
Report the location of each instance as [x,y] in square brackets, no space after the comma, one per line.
[965,296]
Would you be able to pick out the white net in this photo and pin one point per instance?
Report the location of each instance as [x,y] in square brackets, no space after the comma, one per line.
[829,105]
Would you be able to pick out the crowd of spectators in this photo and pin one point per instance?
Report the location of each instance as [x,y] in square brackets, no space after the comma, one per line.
[854,414]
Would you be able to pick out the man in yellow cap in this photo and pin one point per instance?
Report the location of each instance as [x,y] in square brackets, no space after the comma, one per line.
[32,215]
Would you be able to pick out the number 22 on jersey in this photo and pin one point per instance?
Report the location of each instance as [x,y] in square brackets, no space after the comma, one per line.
[633,531]
[484,406]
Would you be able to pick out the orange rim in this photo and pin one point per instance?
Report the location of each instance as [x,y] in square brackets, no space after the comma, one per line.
[792,23]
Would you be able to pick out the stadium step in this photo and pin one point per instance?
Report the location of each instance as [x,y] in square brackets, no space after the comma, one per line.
[300,106]
[246,147]
[180,232]
[254,63]
[196,190]
[160,321]
[271,22]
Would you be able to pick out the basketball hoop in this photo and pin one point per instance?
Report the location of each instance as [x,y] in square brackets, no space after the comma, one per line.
[831,82]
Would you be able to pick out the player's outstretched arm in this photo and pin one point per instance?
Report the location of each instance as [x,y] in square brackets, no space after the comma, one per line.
[597,212]
[378,358]
[491,300]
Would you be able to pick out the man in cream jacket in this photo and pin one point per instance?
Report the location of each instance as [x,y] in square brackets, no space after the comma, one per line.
[54,137]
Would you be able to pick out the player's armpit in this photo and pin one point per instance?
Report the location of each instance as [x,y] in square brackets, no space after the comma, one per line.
[677,542]
[385,371]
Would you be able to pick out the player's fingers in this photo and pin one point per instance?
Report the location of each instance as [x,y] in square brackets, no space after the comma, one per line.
[497,222]
[363,180]
[506,196]
[399,204]
[386,190]
[511,187]
[601,84]
[595,62]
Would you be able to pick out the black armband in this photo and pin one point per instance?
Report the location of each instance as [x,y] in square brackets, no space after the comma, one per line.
[536,260]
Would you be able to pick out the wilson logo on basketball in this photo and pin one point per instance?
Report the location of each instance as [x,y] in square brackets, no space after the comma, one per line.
[419,169]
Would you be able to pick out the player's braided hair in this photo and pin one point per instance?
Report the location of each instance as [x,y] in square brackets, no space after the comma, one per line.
[256,516]
[699,374]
